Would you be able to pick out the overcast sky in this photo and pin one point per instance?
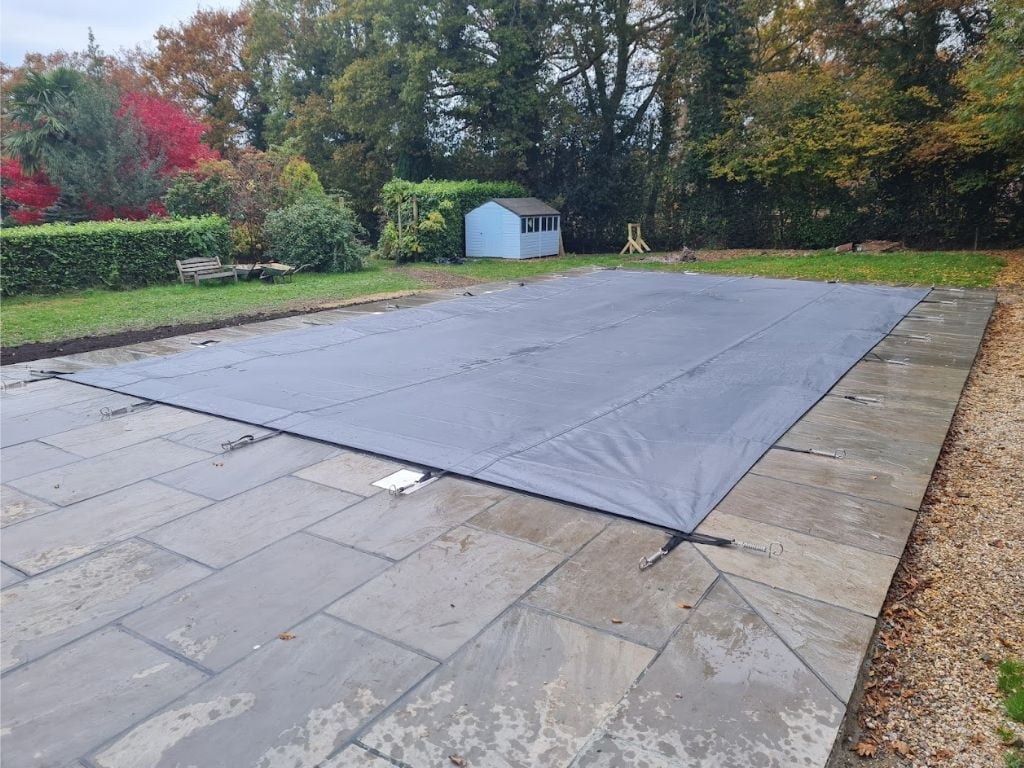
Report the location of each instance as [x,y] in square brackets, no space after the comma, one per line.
[52,25]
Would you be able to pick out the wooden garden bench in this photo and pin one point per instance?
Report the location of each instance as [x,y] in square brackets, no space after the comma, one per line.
[203,269]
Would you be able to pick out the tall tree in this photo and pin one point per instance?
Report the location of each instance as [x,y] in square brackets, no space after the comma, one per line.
[204,63]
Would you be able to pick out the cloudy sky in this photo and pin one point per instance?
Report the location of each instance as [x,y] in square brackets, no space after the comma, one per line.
[52,25]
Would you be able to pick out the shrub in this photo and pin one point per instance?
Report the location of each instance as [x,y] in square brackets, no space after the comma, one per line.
[318,232]
[113,254]
[199,193]
[437,230]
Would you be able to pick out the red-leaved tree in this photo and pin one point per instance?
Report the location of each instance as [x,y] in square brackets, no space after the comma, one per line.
[169,131]
[30,194]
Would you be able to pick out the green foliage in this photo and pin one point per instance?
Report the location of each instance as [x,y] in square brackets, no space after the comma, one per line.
[114,254]
[103,168]
[435,231]
[1011,683]
[198,194]
[318,232]
[40,105]
[299,181]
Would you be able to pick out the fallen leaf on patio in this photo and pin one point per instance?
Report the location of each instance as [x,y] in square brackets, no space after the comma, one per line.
[459,761]
[998,543]
[684,606]
[286,636]
[616,621]
[865,748]
[902,747]
[943,754]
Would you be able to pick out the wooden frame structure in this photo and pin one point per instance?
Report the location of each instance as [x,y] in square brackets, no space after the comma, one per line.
[635,242]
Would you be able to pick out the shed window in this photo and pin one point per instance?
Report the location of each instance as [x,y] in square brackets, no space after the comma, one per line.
[522,225]
[554,220]
[544,224]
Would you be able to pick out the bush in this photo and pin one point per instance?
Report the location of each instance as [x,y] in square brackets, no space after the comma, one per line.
[193,195]
[115,254]
[319,232]
[437,231]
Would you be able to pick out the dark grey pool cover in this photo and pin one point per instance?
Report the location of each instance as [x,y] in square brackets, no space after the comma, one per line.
[647,395]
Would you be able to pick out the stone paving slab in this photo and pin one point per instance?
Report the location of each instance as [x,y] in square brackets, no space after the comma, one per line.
[439,597]
[9,576]
[217,621]
[42,423]
[247,467]
[831,641]
[47,611]
[603,587]
[526,693]
[291,704]
[846,576]
[132,428]
[40,543]
[77,698]
[211,435]
[726,692]
[396,526]
[227,531]
[356,757]
[871,525]
[100,474]
[16,506]
[877,479]
[46,395]
[352,472]
[546,523]
[29,458]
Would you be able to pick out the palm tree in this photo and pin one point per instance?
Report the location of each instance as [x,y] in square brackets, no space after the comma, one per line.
[36,114]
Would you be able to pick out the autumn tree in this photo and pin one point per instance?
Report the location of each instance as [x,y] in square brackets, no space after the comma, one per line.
[204,63]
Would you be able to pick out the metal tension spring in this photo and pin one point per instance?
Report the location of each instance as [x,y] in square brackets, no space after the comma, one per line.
[244,440]
[109,413]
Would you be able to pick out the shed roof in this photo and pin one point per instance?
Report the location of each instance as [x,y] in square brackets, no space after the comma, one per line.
[526,206]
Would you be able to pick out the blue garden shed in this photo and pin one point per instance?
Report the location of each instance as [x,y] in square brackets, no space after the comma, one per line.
[513,228]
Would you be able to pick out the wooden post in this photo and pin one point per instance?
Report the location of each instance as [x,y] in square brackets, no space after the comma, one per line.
[635,242]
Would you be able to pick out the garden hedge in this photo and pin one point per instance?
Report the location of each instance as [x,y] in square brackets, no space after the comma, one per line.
[114,254]
[437,232]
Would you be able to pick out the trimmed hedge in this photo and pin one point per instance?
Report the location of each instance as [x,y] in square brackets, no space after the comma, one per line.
[52,258]
[438,234]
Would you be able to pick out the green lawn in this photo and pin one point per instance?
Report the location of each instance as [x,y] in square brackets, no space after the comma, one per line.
[89,313]
[932,268]
[67,316]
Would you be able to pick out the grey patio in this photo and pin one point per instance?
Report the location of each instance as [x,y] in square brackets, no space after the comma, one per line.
[167,602]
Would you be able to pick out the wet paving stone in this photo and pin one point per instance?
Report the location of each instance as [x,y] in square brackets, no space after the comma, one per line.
[725,692]
[32,457]
[441,596]
[526,693]
[837,517]
[211,435]
[129,429]
[841,575]
[602,585]
[291,704]
[351,472]
[9,576]
[831,640]
[52,421]
[396,526]
[547,523]
[219,620]
[100,474]
[38,544]
[52,609]
[229,473]
[16,506]
[229,530]
[79,697]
